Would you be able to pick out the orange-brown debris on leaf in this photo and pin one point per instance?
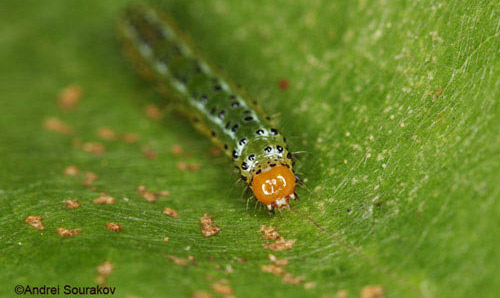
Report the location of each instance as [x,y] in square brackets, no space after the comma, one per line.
[276,270]
[165,239]
[283,84]
[130,138]
[192,167]
[90,177]
[146,194]
[71,171]
[215,152]
[208,228]
[376,291]
[280,244]
[277,261]
[71,204]
[148,152]
[163,193]
[149,196]
[105,269]
[106,133]
[309,285]
[437,93]
[290,279]
[101,280]
[153,112]
[201,294]
[242,260]
[170,212]
[77,143]
[342,294]
[269,233]
[69,98]
[177,260]
[35,222]
[113,226]
[63,232]
[176,149]
[94,148]
[222,287]
[104,200]
[182,166]
[56,125]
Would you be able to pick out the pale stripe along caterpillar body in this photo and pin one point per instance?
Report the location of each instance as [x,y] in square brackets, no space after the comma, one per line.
[215,106]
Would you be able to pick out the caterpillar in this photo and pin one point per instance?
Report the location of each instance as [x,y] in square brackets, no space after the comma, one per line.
[216,107]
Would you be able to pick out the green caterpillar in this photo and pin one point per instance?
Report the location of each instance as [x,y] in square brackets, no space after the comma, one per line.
[215,106]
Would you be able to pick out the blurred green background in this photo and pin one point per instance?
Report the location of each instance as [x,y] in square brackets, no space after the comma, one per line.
[394,103]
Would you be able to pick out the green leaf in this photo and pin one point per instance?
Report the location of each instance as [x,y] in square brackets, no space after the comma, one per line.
[393,103]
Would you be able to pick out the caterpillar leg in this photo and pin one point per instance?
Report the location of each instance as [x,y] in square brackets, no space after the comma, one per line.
[270,207]
[299,180]
[295,197]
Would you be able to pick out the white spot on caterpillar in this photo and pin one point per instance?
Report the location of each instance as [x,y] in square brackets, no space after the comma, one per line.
[179,86]
[167,32]
[225,86]
[145,50]
[162,68]
[205,68]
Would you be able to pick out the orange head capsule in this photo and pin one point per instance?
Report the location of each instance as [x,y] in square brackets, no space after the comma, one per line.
[274,186]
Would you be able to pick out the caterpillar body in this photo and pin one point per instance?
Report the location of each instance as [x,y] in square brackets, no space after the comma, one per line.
[215,106]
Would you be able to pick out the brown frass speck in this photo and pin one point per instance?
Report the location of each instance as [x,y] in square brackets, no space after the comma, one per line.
[208,228]
[170,212]
[113,226]
[35,222]
[104,200]
[63,232]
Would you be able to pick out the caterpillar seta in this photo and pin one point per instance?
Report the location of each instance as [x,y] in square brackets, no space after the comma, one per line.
[215,106]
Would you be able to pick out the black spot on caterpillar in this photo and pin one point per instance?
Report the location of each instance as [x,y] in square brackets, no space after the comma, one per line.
[217,108]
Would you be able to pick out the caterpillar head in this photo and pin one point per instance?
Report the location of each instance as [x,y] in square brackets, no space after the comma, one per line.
[274,187]
[266,165]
